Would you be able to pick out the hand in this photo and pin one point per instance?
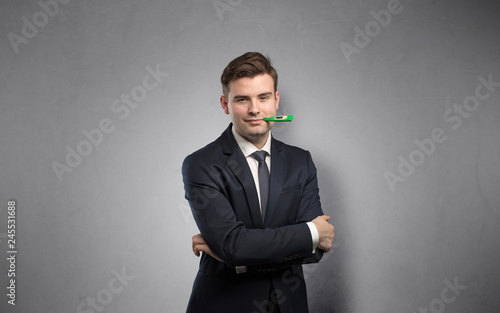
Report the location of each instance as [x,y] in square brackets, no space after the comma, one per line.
[325,231]
[199,244]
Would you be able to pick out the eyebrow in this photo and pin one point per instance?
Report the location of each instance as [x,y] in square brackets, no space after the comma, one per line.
[265,94]
[246,97]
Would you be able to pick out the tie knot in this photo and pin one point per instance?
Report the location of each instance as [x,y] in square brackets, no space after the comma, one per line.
[260,155]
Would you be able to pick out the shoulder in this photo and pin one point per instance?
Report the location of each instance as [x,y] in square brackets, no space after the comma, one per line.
[208,154]
[214,150]
[290,150]
[295,157]
[198,165]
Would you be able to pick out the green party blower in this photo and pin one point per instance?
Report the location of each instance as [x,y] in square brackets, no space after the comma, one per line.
[279,118]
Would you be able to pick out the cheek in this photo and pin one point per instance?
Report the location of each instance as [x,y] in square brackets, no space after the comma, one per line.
[272,108]
[237,113]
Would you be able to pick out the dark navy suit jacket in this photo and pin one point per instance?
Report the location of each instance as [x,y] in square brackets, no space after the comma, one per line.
[222,194]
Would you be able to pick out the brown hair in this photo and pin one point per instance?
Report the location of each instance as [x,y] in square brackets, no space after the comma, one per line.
[249,65]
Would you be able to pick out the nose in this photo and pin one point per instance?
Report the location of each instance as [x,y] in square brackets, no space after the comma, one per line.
[253,107]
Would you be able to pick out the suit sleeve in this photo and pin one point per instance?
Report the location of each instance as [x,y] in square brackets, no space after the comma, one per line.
[229,238]
[310,205]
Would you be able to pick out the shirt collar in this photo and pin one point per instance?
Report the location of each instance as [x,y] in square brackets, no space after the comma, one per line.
[247,147]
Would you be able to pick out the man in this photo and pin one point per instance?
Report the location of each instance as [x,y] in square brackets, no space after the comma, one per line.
[259,213]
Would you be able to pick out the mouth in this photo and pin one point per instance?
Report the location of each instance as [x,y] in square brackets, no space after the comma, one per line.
[254,121]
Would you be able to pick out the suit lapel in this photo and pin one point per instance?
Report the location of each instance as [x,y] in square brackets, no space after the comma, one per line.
[278,168]
[239,166]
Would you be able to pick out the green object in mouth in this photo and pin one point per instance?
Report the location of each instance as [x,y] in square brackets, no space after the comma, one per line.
[279,118]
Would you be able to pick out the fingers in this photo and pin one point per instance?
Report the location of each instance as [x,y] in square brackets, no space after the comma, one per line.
[201,248]
[326,244]
[206,249]
[197,240]
[198,245]
[326,232]
[193,244]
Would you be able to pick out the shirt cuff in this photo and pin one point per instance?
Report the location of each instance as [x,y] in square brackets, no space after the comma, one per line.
[314,235]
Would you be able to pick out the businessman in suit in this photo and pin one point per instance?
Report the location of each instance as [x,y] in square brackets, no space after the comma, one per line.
[256,203]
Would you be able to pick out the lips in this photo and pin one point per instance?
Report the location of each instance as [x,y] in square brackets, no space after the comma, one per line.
[254,121]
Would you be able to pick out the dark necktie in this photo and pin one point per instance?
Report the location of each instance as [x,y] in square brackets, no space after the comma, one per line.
[260,156]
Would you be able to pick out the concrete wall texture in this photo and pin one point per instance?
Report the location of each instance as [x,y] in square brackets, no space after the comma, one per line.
[398,102]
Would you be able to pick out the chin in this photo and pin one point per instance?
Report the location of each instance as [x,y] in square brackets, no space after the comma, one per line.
[259,133]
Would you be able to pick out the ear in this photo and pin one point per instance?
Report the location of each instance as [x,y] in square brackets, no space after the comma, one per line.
[277,97]
[224,104]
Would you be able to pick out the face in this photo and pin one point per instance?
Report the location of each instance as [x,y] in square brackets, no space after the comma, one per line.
[249,101]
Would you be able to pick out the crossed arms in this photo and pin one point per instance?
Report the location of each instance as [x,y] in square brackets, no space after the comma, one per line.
[325,231]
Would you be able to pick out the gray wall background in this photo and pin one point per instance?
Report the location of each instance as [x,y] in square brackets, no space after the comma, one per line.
[119,209]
